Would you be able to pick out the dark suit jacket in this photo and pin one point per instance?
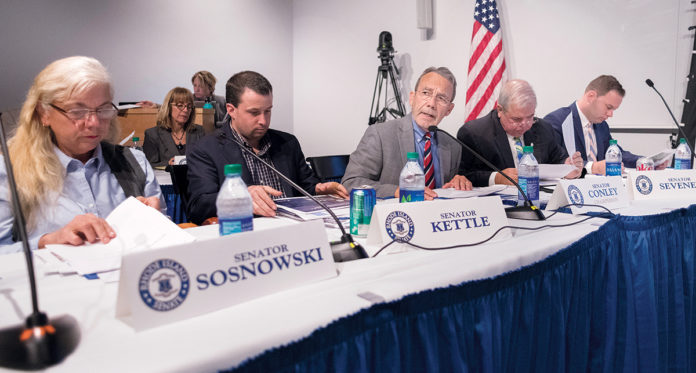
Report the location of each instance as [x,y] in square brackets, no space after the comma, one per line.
[556,119]
[207,160]
[159,146]
[487,136]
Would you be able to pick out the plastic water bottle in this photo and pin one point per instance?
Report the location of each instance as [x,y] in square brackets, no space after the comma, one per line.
[411,180]
[682,157]
[207,104]
[136,143]
[528,177]
[612,159]
[234,207]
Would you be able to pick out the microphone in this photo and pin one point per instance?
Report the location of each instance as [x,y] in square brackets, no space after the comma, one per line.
[40,342]
[652,85]
[344,250]
[526,212]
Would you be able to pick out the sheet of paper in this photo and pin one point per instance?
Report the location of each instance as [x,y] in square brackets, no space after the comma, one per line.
[138,227]
[662,156]
[125,139]
[554,171]
[476,192]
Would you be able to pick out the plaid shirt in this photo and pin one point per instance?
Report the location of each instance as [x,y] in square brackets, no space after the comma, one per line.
[260,174]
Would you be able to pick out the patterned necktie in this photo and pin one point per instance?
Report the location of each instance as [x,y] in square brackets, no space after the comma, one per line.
[518,147]
[590,143]
[428,163]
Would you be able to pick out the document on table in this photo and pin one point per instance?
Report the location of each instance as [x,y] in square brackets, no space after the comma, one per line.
[554,171]
[138,227]
[476,192]
[303,208]
[662,157]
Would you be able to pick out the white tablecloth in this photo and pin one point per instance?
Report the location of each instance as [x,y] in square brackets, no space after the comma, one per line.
[225,338]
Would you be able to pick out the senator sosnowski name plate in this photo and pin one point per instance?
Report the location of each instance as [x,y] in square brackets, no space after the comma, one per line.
[179,282]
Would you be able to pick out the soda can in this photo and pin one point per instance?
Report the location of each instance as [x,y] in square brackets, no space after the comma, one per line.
[645,164]
[362,201]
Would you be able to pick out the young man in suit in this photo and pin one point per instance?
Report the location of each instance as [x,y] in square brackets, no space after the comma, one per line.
[249,99]
[500,135]
[381,153]
[583,124]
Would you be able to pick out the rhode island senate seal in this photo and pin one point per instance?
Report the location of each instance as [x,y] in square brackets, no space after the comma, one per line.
[164,285]
[575,195]
[399,226]
[643,184]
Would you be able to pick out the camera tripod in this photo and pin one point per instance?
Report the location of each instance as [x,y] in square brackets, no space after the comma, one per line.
[386,71]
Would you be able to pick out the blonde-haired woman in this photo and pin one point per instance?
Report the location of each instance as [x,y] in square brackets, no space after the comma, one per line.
[204,90]
[174,130]
[63,160]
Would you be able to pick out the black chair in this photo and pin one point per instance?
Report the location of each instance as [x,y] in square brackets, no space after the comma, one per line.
[329,167]
[179,174]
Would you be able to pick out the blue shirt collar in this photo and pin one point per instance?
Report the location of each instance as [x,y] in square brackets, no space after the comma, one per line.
[70,164]
[419,133]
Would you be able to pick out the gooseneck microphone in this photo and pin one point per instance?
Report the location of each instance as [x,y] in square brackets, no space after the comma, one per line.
[652,85]
[344,250]
[526,212]
[40,342]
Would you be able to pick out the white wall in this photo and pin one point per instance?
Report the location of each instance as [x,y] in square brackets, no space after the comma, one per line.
[150,46]
[321,55]
[557,45]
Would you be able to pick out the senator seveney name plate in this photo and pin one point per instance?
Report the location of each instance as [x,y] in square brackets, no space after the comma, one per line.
[662,184]
[439,222]
[178,282]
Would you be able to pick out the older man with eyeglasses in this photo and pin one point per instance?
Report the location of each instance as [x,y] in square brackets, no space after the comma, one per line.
[500,135]
[381,153]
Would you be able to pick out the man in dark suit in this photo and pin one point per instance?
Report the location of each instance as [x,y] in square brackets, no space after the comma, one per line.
[499,136]
[249,99]
[583,125]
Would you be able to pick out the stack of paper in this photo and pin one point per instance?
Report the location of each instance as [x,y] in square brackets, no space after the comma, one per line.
[138,227]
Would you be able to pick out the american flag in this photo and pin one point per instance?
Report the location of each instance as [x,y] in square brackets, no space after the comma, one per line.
[487,63]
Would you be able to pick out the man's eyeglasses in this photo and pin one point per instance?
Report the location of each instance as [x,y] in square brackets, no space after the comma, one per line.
[526,120]
[183,107]
[440,99]
[104,113]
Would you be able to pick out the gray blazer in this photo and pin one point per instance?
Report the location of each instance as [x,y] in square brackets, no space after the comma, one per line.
[381,154]
[159,146]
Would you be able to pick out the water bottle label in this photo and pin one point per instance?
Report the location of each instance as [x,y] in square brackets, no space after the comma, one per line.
[613,169]
[530,186]
[411,195]
[682,164]
[229,226]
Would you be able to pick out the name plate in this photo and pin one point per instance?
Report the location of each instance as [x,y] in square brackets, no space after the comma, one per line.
[607,191]
[439,222]
[179,282]
[662,184]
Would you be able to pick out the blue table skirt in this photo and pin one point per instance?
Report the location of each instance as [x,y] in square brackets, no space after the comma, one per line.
[175,208]
[621,299]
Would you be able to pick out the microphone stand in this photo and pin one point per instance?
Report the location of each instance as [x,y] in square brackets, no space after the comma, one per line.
[691,146]
[39,343]
[526,212]
[344,250]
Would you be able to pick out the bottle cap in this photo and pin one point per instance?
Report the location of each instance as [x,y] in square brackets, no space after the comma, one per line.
[411,155]
[528,149]
[612,142]
[136,139]
[682,141]
[233,168]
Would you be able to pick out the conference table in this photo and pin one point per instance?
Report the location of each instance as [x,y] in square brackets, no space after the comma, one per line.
[607,294]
